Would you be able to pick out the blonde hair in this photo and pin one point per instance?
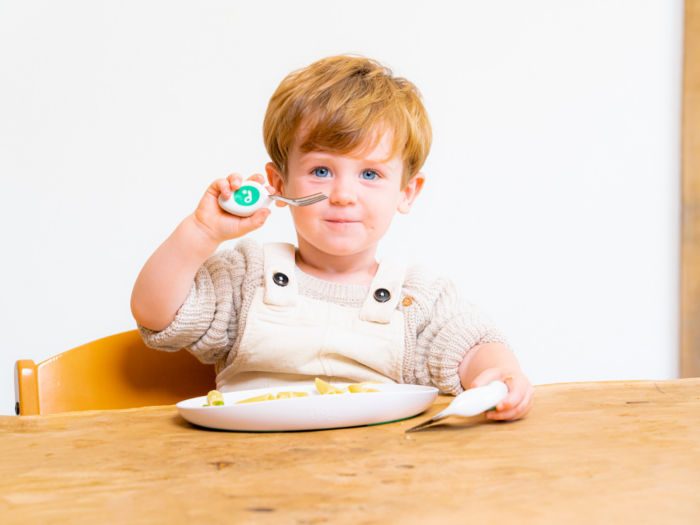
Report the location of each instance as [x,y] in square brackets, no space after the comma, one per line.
[345,103]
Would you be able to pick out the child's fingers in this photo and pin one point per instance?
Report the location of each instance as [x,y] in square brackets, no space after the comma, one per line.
[514,413]
[504,415]
[513,399]
[257,178]
[485,377]
[517,389]
[520,409]
[523,408]
[221,186]
[252,223]
[235,180]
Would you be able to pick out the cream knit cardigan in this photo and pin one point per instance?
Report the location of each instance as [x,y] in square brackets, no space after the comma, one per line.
[440,327]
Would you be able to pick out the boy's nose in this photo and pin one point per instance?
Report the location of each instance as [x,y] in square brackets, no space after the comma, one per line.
[342,194]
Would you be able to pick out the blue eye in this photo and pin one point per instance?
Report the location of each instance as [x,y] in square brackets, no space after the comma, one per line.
[369,175]
[321,172]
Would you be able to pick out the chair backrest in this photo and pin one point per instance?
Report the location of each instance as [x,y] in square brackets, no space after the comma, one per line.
[119,371]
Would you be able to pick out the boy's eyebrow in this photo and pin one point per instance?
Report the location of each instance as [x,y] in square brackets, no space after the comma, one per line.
[311,155]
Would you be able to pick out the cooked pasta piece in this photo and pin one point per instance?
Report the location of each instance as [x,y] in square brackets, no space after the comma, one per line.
[356,388]
[290,395]
[359,389]
[215,398]
[326,389]
[272,397]
[322,387]
[264,397]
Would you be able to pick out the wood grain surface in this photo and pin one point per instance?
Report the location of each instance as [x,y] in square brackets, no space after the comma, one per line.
[619,452]
[690,218]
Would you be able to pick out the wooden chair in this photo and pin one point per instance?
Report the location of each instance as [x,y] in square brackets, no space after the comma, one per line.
[119,371]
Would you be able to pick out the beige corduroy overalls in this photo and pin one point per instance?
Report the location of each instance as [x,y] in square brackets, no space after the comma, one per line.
[292,339]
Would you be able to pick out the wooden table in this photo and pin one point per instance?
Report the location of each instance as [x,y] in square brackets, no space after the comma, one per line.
[621,452]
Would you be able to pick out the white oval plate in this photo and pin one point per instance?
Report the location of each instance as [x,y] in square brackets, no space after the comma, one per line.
[392,403]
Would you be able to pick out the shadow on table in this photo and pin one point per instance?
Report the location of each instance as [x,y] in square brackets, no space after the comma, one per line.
[460,424]
[454,424]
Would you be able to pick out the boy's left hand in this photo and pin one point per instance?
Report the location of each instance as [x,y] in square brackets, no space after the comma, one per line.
[521,393]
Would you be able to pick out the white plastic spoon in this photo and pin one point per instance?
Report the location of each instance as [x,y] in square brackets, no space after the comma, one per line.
[471,402]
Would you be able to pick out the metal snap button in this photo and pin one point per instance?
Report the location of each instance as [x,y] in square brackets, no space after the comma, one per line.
[280,279]
[382,295]
[408,300]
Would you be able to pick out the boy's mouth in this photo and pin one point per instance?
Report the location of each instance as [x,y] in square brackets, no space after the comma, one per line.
[341,224]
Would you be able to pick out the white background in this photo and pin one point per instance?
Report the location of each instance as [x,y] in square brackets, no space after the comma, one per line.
[553,183]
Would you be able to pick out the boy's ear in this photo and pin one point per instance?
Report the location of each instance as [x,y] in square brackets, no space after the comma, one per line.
[274,177]
[410,192]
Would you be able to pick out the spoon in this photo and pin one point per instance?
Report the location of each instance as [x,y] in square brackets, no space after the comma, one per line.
[251,196]
[470,403]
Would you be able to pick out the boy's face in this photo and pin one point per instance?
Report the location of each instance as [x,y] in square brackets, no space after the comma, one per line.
[364,191]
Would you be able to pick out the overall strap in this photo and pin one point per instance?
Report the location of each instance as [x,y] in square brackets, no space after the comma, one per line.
[281,285]
[384,292]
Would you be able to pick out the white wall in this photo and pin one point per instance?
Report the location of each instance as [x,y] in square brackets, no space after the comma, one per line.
[556,140]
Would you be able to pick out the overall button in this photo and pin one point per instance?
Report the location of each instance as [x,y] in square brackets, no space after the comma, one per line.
[280,279]
[408,300]
[382,295]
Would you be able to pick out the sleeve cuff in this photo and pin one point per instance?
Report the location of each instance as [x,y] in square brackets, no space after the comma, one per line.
[460,334]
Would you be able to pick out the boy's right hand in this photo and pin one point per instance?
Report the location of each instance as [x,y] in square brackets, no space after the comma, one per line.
[219,225]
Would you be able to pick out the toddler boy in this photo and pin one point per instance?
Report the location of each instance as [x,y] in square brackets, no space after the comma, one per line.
[281,315]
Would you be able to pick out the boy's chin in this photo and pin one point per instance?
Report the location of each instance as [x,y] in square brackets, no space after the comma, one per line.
[341,247]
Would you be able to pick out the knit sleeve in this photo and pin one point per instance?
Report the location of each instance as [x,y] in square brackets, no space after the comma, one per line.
[446,329]
[206,323]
